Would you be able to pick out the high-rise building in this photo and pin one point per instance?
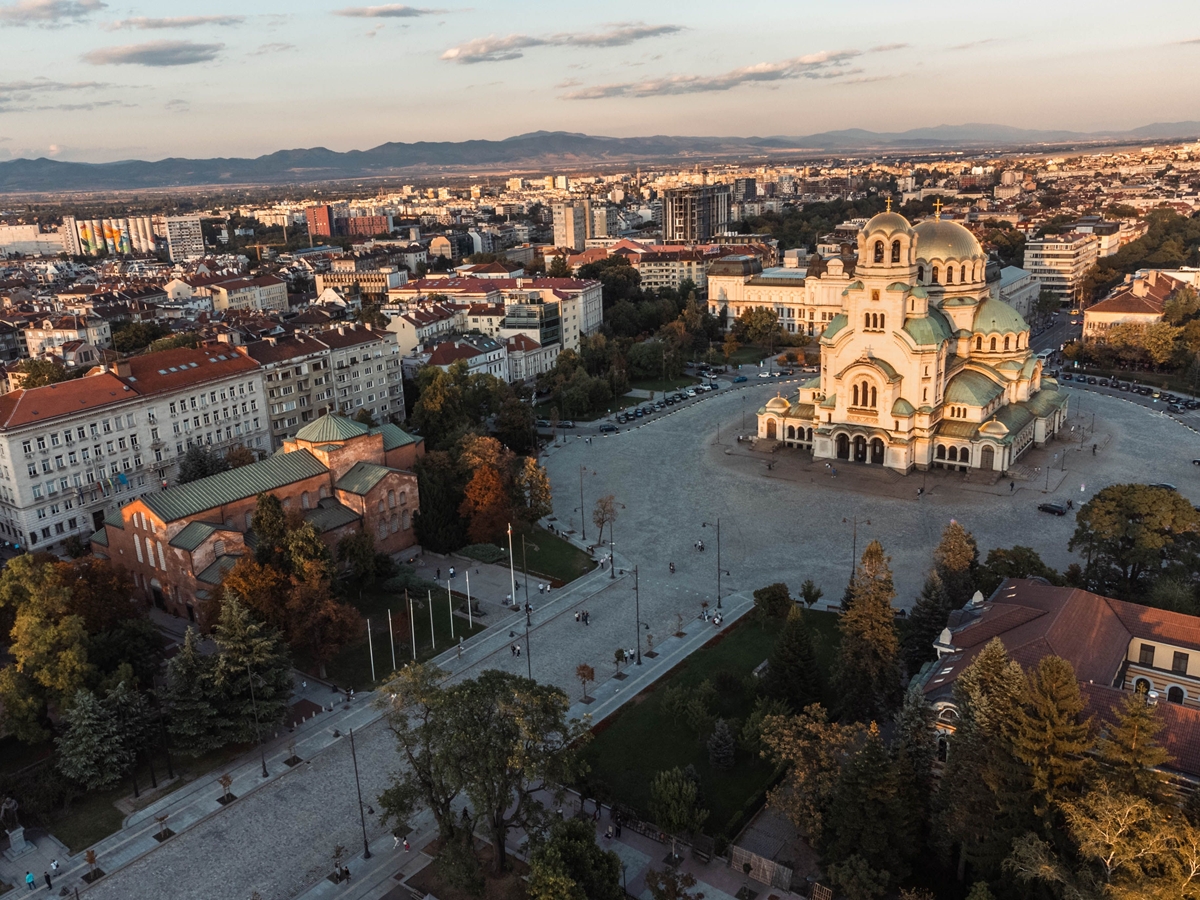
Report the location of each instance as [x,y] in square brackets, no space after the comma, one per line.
[695,213]
[605,221]
[744,189]
[320,220]
[570,225]
[1060,261]
[185,239]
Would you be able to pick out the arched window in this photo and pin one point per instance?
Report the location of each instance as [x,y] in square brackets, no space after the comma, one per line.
[879,251]
[304,499]
[855,403]
[404,520]
[391,499]
[395,524]
[874,402]
[978,343]
[323,492]
[964,455]
[943,747]
[949,274]
[895,251]
[249,518]
[1175,695]
[881,315]
[920,274]
[403,497]
[791,432]
[941,451]
[1142,686]
[381,529]
[866,392]
[993,345]
[934,276]
[953,454]
[381,505]
[866,320]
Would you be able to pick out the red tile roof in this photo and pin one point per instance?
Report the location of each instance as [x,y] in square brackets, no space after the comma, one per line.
[171,370]
[1180,735]
[63,399]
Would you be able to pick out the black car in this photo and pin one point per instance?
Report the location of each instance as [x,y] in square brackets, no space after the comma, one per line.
[1103,382]
[1124,386]
[637,413]
[1067,376]
[1055,509]
[1091,379]
[606,428]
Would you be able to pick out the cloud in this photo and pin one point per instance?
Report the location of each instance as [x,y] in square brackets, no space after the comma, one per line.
[142,23]
[9,89]
[47,12]
[31,96]
[823,65]
[884,48]
[177,105]
[1189,41]
[277,47]
[498,49]
[970,44]
[154,53]
[390,11]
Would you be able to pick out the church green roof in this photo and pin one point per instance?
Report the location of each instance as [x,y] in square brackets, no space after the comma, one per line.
[836,324]
[902,407]
[193,535]
[1046,401]
[929,330]
[330,514]
[393,436]
[997,317]
[331,428]
[972,389]
[362,478]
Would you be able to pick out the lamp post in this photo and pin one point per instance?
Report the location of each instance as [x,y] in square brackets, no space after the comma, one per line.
[743,412]
[854,542]
[257,731]
[718,527]
[361,817]
[612,559]
[637,621]
[512,574]
[525,575]
[582,507]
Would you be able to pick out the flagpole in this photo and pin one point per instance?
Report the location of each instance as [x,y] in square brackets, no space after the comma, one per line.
[450,604]
[432,637]
[392,640]
[412,624]
[470,620]
[371,649]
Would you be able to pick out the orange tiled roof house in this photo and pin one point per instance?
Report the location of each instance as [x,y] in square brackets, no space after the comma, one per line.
[343,475]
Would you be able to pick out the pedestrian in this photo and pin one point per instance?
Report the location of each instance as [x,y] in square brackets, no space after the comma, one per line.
[49,885]
[618,826]
[406,847]
[29,880]
[608,832]
[576,615]
[512,648]
[541,588]
[346,874]
[518,651]
[460,651]
[1012,486]
[508,599]
[438,576]
[396,841]
[1093,449]
[303,687]
[54,866]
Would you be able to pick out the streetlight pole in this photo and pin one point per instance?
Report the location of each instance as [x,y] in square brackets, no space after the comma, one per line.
[525,575]
[854,543]
[718,527]
[512,575]
[612,559]
[361,817]
[257,731]
[528,655]
[637,622]
[582,508]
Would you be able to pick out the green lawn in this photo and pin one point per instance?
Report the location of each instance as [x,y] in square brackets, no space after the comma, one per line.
[547,410]
[352,667]
[641,740]
[747,355]
[551,557]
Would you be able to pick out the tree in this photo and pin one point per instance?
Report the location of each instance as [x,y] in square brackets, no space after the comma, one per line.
[320,625]
[955,559]
[41,372]
[1128,750]
[514,425]
[671,884]
[773,602]
[673,804]
[136,335]
[270,528]
[307,555]
[357,552]
[925,623]
[92,751]
[440,483]
[810,593]
[721,746]
[558,268]
[1015,562]
[730,346]
[793,674]
[486,505]
[1130,533]
[199,463]
[261,587]
[569,865]
[192,697]
[857,880]
[532,488]
[585,674]
[239,455]
[759,325]
[250,649]
[604,513]
[867,671]
[175,341]
[364,417]
[1050,736]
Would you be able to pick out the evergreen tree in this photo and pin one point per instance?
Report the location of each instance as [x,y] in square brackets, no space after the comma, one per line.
[980,891]
[199,463]
[250,650]
[1128,749]
[983,799]
[1050,736]
[867,816]
[721,746]
[793,674]
[191,695]
[91,751]
[926,621]
[867,672]
[912,751]
[955,560]
[270,530]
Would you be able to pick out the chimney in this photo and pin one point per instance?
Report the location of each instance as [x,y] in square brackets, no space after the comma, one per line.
[123,369]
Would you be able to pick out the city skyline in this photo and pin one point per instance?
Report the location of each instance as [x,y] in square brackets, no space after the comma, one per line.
[92,81]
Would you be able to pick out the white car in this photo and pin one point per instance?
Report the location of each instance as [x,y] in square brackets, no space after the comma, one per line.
[691,393]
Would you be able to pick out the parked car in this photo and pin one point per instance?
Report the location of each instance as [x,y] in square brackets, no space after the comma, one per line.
[670,401]
[1055,509]
[608,428]
[1164,486]
[1175,408]
[622,418]
[1196,462]
[1091,379]
[740,379]
[690,392]
[566,423]
[1067,376]
[542,423]
[637,413]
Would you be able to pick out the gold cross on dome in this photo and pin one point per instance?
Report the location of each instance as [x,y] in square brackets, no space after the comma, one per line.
[889,204]
[937,207]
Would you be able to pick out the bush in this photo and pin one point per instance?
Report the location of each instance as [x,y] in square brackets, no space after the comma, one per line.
[486,553]
[408,579]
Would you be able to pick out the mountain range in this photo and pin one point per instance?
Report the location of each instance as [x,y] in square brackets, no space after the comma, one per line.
[541,150]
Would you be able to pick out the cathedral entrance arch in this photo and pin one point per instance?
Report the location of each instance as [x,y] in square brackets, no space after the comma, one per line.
[843,447]
[770,429]
[877,452]
[987,459]
[860,449]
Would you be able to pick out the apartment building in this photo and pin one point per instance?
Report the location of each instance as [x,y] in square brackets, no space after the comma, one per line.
[297,379]
[363,276]
[571,225]
[185,238]
[804,306]
[1060,261]
[264,292]
[671,268]
[365,365]
[1138,301]
[693,214]
[72,453]
[1019,289]
[49,334]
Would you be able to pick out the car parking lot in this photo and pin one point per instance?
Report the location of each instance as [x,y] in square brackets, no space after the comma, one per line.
[1183,407]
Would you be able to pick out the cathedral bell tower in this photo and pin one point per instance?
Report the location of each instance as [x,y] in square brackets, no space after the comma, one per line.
[886,257]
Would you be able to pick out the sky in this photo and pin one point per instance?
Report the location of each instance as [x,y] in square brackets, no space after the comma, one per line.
[96,80]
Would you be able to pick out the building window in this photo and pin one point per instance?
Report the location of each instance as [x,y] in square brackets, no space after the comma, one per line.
[1146,655]
[879,251]
[1179,663]
[1175,695]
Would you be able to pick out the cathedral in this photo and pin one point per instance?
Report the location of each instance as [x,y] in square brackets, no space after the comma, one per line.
[920,367]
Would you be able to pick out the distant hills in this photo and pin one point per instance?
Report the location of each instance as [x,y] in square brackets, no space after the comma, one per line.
[540,150]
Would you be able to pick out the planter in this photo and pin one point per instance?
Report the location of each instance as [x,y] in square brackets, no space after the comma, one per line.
[164,835]
[93,876]
[226,799]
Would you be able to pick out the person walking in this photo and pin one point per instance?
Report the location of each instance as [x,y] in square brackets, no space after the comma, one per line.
[438,576]
[54,866]
[30,880]
[406,847]
[452,571]
[577,616]
[512,648]
[1012,486]
[49,885]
